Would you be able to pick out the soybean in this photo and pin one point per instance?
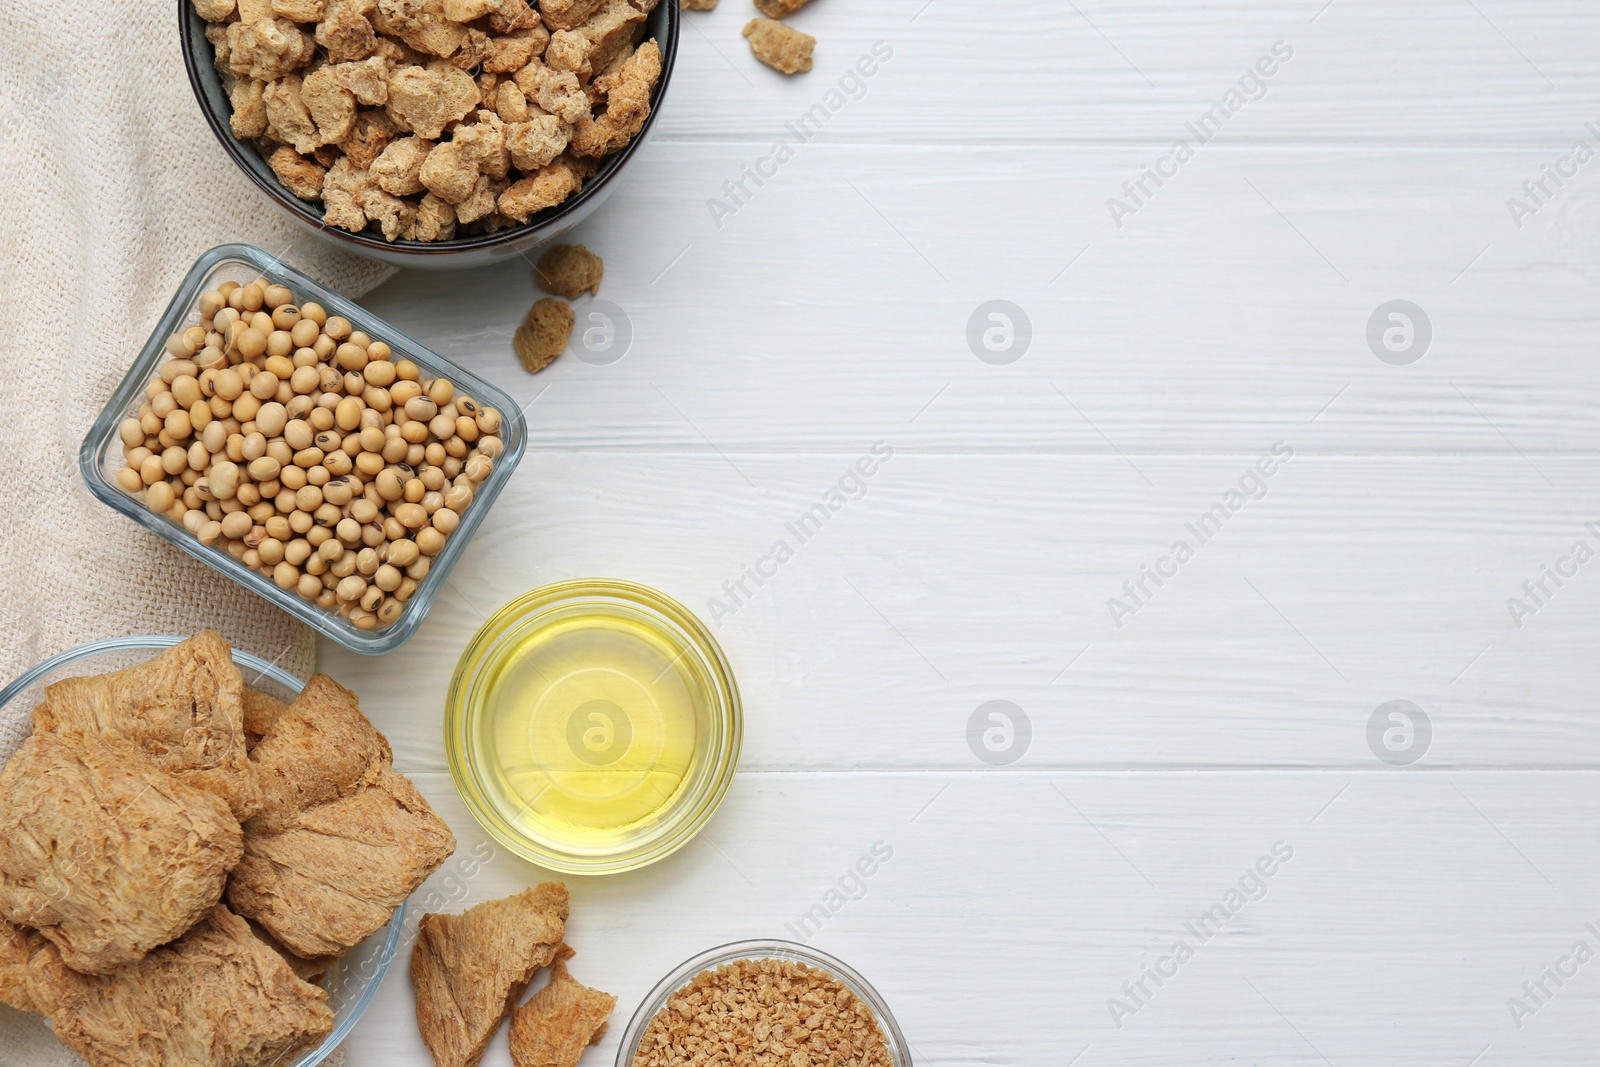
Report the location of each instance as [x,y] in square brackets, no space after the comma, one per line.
[301,447]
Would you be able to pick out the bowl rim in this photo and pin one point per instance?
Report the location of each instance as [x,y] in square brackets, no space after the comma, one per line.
[137,642]
[762,949]
[193,44]
[102,435]
[697,810]
[246,661]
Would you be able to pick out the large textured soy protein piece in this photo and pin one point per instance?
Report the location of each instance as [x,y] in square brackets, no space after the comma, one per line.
[559,1022]
[104,853]
[184,710]
[18,946]
[469,970]
[217,997]
[342,839]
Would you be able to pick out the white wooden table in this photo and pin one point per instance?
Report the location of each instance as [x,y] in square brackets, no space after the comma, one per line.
[1229,711]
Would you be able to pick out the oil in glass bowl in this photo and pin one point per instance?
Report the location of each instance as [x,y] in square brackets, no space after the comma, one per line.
[593,726]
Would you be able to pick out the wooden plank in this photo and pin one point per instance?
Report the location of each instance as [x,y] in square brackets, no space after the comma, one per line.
[1014,906]
[1231,309]
[966,72]
[955,580]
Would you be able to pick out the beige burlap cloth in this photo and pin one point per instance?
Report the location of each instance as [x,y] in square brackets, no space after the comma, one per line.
[110,185]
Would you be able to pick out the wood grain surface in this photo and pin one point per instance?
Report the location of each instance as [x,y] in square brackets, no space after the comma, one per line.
[1172,742]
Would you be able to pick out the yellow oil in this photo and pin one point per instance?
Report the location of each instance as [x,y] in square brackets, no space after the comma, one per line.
[588,729]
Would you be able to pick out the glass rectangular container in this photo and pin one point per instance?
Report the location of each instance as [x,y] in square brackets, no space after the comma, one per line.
[100,457]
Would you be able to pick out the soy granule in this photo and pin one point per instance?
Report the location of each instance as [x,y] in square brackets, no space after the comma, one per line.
[764,1013]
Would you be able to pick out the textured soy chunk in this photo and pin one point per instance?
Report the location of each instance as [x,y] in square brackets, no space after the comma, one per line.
[544,335]
[783,48]
[570,270]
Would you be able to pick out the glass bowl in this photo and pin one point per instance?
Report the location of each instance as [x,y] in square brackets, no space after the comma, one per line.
[568,726]
[354,980]
[199,60]
[656,999]
[100,456]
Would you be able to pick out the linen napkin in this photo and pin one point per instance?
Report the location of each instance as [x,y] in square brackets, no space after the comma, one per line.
[111,184]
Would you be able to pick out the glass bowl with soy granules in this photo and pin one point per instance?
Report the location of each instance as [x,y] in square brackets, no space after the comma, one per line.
[758,1003]
[304,447]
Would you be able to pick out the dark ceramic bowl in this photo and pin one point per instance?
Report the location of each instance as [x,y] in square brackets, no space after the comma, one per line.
[200,60]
